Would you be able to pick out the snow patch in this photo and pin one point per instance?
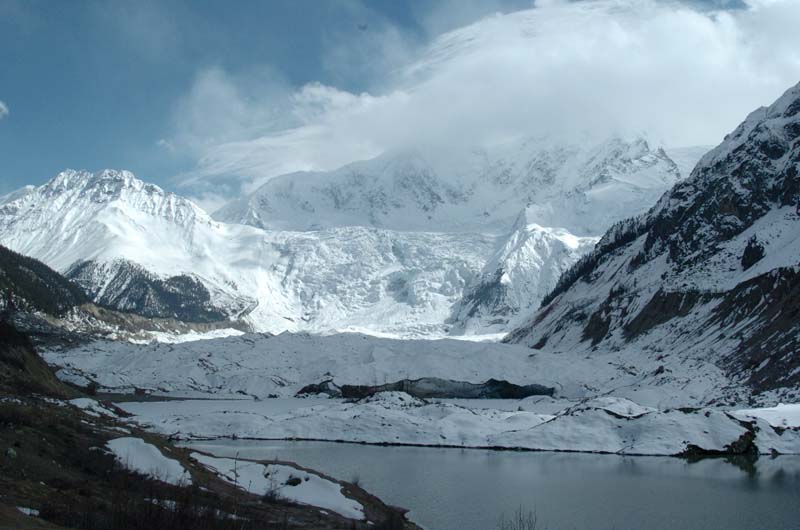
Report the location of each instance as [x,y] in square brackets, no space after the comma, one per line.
[782,415]
[141,457]
[92,407]
[285,482]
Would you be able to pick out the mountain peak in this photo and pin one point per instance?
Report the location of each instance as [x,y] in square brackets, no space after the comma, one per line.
[108,181]
[99,208]
[768,133]
[786,106]
[76,187]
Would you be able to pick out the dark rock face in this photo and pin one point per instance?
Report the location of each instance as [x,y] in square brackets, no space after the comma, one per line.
[125,286]
[744,446]
[22,371]
[709,260]
[324,387]
[28,284]
[753,253]
[663,307]
[766,314]
[489,297]
[433,387]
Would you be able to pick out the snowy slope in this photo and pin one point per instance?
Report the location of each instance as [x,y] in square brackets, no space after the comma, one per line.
[564,189]
[138,248]
[141,457]
[516,277]
[581,185]
[111,216]
[134,247]
[285,483]
[711,272]
[687,157]
[16,194]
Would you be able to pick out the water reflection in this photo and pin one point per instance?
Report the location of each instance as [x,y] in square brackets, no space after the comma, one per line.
[452,489]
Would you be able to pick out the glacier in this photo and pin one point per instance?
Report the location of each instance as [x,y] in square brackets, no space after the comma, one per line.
[389,246]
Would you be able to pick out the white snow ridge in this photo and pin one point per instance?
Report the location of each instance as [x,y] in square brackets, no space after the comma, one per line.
[389,246]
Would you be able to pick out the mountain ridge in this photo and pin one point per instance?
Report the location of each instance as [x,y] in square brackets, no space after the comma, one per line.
[131,244]
[472,190]
[706,271]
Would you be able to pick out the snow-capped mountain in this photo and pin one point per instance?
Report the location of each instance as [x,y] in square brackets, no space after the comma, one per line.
[583,186]
[84,216]
[711,272]
[134,247]
[102,229]
[137,248]
[16,194]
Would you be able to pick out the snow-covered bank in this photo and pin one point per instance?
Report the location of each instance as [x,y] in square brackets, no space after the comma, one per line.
[781,416]
[608,425]
[284,482]
[141,457]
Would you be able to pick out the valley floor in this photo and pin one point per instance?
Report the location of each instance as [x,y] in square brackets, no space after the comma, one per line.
[612,402]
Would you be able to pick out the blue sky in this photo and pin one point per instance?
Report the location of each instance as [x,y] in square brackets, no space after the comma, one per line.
[93,84]
[211,98]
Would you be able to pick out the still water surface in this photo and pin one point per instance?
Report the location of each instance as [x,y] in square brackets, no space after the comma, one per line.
[452,489]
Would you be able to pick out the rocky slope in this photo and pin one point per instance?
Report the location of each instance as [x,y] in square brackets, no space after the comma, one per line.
[129,287]
[711,271]
[22,371]
[79,463]
[29,285]
[52,308]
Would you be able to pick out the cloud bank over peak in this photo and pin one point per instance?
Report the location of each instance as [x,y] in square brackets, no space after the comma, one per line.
[683,75]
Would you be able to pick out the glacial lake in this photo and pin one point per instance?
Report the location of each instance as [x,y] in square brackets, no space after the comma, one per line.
[469,489]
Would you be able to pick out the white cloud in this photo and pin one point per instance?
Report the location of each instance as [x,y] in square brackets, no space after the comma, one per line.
[3,110]
[209,201]
[165,144]
[618,66]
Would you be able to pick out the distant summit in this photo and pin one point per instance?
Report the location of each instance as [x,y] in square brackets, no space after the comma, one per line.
[582,186]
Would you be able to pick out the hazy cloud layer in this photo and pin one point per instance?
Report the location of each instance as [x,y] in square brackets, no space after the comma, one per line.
[3,110]
[682,75]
